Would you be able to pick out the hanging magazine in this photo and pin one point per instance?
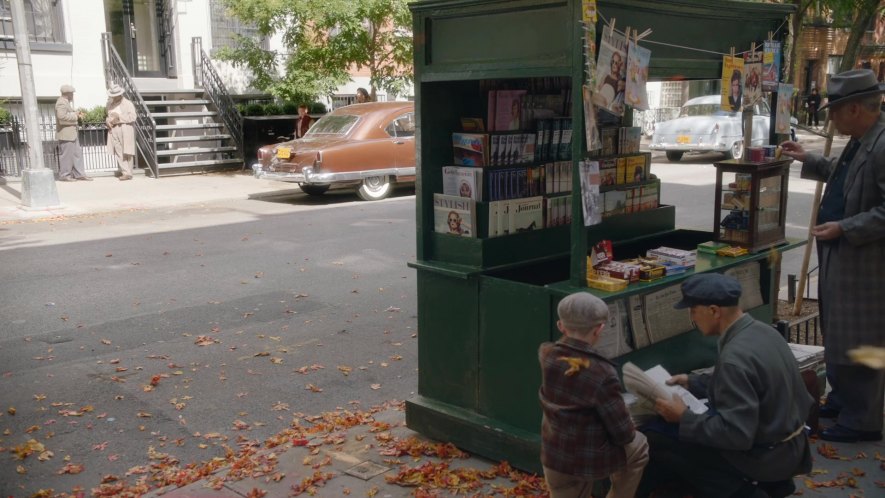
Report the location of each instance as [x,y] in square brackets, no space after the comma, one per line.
[591,131]
[784,108]
[590,181]
[637,75]
[732,83]
[752,78]
[611,75]
[771,65]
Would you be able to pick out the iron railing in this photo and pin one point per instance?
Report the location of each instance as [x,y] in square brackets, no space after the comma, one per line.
[206,76]
[145,126]
[14,140]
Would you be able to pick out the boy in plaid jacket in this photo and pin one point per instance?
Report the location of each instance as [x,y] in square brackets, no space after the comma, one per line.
[586,432]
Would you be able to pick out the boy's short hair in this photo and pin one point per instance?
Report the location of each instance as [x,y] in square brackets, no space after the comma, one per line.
[581,312]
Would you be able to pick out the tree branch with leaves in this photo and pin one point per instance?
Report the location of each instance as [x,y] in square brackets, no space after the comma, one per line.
[322,41]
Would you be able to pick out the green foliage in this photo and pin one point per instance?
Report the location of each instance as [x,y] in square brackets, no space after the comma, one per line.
[317,108]
[5,116]
[273,109]
[252,109]
[290,108]
[323,39]
[95,115]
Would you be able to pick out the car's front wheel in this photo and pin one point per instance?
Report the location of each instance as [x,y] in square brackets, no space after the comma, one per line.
[375,188]
[736,151]
[674,155]
[314,189]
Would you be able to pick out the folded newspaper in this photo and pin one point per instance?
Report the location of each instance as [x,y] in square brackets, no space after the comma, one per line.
[651,384]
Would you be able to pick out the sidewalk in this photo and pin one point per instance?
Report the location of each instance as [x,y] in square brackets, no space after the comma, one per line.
[107,194]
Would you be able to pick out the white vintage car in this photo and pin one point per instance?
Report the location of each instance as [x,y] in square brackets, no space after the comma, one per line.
[702,126]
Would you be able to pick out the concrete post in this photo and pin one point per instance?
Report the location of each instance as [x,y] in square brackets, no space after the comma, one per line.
[38,183]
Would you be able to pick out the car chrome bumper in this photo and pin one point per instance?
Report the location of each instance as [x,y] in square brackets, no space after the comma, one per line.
[307,176]
[689,147]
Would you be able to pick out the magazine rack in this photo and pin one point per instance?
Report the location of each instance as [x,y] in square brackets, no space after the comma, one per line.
[486,304]
[751,203]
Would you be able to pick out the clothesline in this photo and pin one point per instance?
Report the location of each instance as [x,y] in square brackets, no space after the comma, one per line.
[646,40]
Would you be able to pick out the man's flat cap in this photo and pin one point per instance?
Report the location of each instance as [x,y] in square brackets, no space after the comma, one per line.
[709,288]
[67,89]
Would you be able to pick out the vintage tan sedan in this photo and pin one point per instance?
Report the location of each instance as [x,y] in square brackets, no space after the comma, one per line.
[367,146]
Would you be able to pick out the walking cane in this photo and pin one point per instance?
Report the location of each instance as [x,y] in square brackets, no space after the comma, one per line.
[815,204]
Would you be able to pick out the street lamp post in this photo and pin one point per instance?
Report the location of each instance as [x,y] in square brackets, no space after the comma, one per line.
[38,184]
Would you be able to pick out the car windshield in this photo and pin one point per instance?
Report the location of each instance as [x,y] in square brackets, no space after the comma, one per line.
[338,124]
[704,110]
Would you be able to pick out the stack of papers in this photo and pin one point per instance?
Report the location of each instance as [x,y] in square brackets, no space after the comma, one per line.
[807,355]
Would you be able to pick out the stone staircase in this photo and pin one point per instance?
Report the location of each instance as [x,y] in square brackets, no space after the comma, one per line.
[191,137]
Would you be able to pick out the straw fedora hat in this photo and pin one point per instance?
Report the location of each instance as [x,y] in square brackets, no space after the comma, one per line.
[851,85]
[115,91]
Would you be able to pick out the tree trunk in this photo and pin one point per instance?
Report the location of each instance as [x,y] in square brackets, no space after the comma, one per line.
[791,63]
[862,19]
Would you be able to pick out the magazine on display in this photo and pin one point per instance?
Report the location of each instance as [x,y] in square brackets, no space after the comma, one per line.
[637,75]
[454,215]
[752,79]
[463,181]
[508,109]
[590,197]
[611,72]
[732,83]
[784,109]
[771,65]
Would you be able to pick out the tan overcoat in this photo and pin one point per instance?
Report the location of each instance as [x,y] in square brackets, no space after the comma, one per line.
[123,133]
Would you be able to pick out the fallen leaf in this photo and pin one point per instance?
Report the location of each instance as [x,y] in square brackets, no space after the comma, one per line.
[71,468]
[575,364]
[106,342]
[375,386]
[345,370]
[313,388]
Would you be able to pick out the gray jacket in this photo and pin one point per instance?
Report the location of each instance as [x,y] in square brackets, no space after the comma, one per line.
[757,399]
[852,268]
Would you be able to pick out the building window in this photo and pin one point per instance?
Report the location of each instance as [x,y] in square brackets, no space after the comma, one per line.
[225,28]
[45,20]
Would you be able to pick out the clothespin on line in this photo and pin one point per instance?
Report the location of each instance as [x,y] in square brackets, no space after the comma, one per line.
[752,49]
[627,34]
[643,34]
[770,35]
[732,52]
[612,25]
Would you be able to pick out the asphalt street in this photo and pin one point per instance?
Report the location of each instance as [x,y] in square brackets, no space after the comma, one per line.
[128,331]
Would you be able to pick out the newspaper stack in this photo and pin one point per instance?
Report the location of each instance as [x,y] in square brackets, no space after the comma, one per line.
[681,257]
[807,355]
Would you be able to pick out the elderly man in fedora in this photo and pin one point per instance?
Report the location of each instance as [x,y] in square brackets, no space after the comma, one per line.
[70,155]
[121,132]
[850,232]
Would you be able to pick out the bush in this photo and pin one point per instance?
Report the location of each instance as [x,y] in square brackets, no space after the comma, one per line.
[95,115]
[5,116]
[252,110]
[290,108]
[273,109]
[317,108]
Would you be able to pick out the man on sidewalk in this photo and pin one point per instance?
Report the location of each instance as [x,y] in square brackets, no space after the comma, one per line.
[121,132]
[70,155]
[850,233]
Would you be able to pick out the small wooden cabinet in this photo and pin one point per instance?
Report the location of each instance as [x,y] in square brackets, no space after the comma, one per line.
[751,203]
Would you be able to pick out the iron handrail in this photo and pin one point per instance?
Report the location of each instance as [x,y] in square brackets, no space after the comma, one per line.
[145,126]
[208,77]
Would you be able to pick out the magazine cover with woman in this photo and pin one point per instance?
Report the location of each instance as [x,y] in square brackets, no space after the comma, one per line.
[611,72]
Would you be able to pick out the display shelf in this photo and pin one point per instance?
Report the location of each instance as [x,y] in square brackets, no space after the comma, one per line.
[751,200]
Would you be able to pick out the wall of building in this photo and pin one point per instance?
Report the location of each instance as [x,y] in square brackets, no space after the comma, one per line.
[81,67]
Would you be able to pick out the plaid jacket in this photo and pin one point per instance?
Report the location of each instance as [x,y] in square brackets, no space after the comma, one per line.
[586,423]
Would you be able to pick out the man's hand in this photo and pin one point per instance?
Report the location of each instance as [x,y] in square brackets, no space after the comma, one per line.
[828,231]
[680,379]
[671,410]
[794,150]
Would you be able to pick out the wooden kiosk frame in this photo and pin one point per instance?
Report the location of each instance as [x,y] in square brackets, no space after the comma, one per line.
[485,304]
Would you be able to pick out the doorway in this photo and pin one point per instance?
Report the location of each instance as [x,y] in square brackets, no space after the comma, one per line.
[135,34]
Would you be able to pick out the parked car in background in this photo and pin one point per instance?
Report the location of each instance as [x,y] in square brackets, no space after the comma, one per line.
[703,126]
[369,147]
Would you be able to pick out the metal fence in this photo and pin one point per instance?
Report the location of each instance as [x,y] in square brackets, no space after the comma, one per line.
[14,147]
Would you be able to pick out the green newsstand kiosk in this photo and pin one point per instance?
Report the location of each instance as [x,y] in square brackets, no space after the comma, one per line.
[486,303]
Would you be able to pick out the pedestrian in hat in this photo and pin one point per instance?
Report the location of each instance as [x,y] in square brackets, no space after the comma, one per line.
[121,132]
[850,232]
[752,440]
[70,154]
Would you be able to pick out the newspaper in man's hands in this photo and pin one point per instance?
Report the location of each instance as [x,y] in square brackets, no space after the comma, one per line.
[651,384]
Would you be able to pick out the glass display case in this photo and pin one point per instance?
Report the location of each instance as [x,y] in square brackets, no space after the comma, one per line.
[751,202]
